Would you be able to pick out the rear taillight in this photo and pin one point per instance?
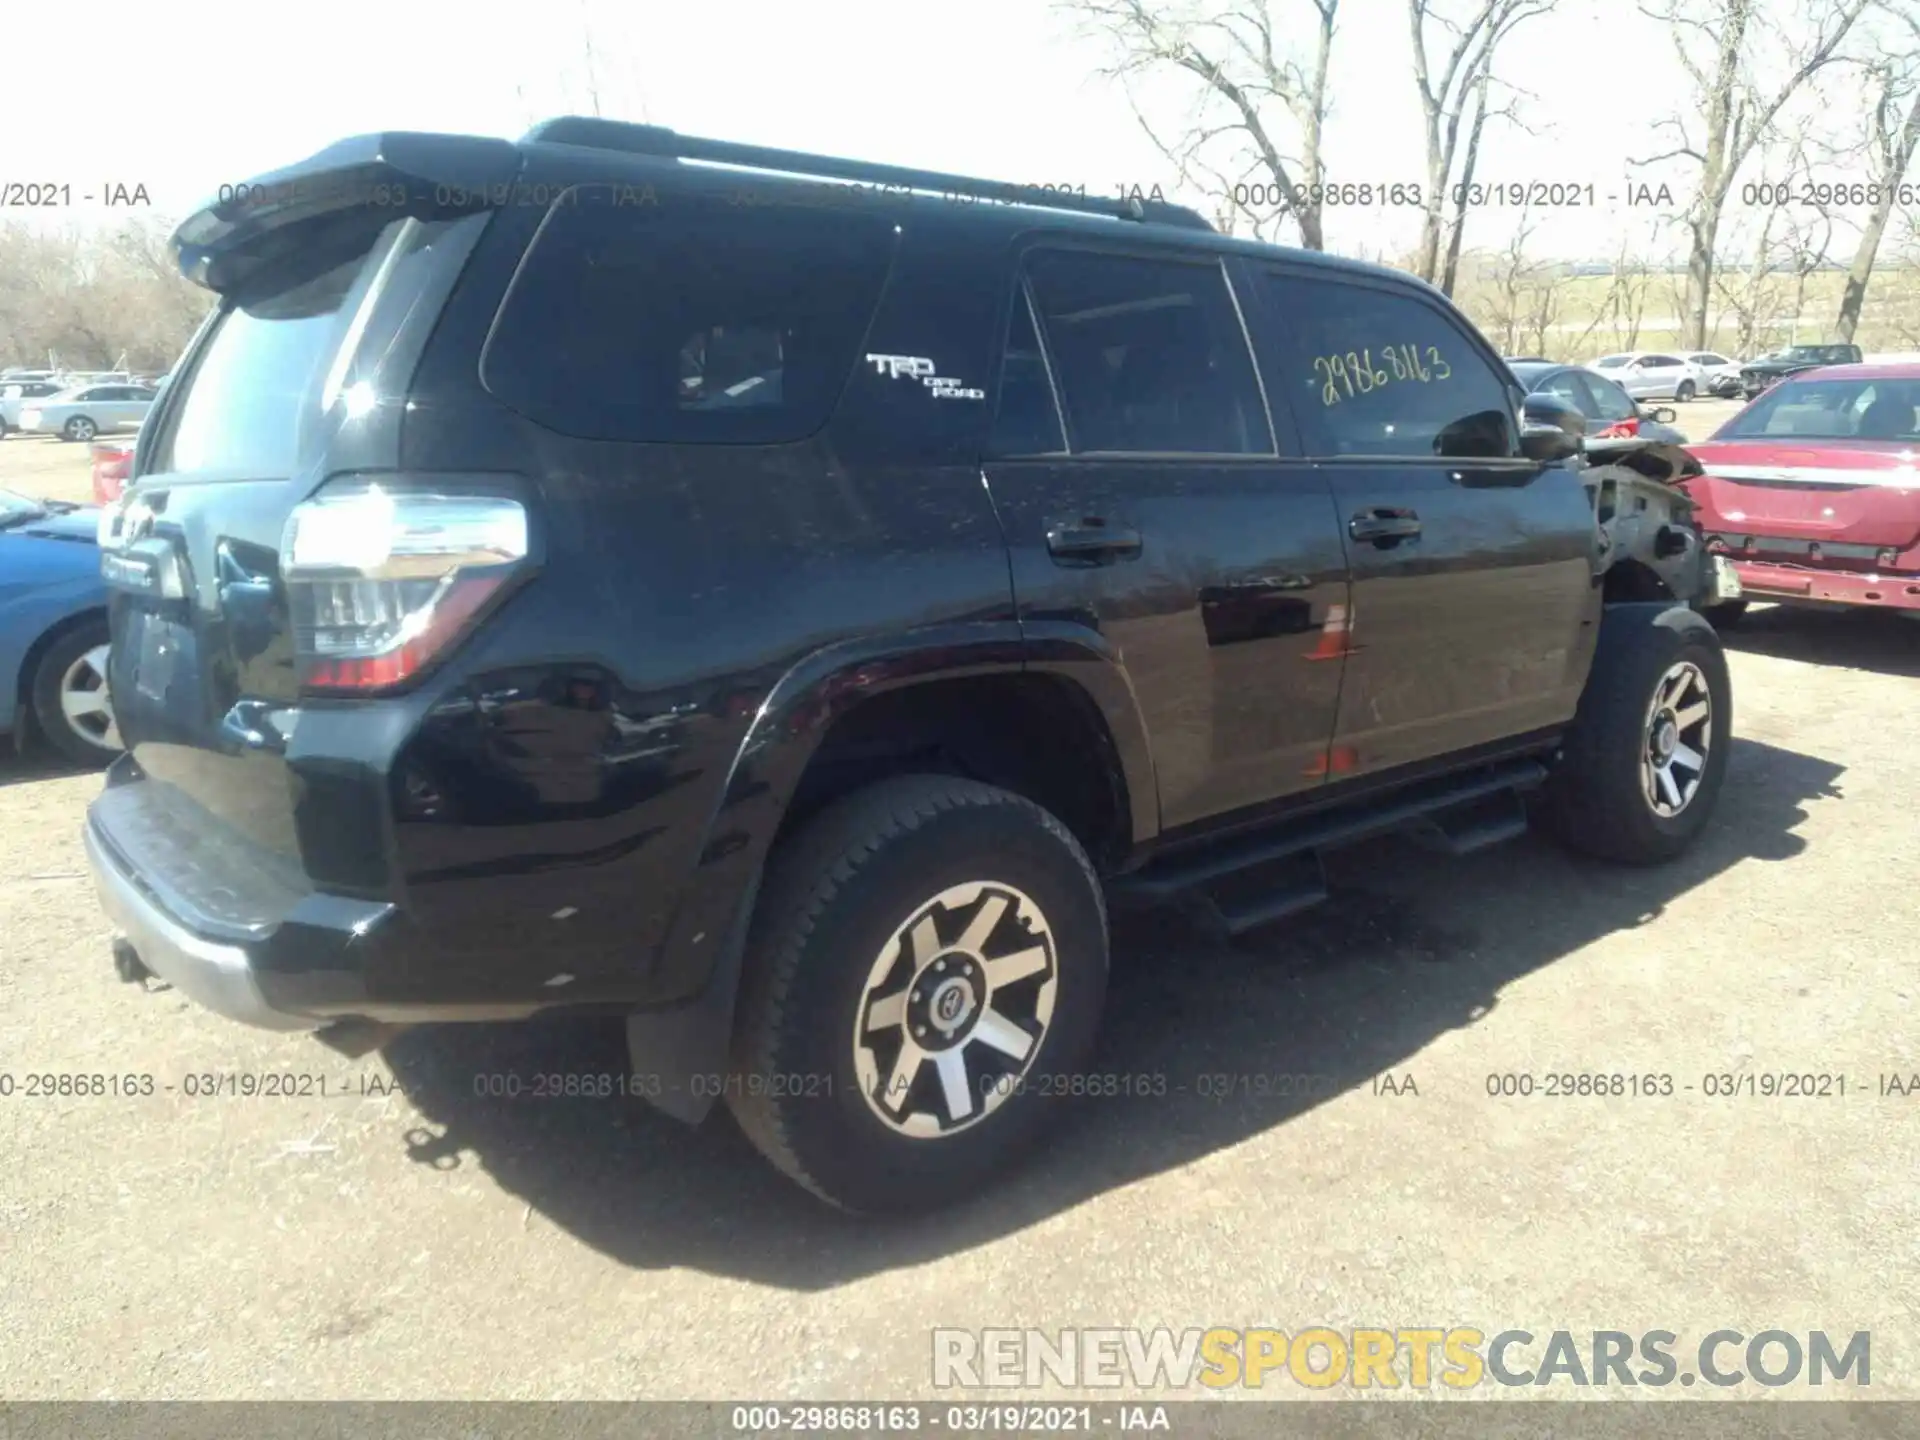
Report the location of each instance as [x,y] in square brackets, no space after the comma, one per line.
[383,578]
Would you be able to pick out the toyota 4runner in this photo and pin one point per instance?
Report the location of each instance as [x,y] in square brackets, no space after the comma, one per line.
[780,600]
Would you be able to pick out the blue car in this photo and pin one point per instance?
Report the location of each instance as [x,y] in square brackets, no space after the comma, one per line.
[53,628]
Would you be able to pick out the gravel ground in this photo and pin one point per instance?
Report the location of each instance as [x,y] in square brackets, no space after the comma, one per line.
[403,1238]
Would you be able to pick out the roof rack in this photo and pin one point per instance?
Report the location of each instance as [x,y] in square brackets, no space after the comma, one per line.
[600,134]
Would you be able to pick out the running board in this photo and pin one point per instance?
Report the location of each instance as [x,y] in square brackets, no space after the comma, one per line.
[1424,806]
[1463,829]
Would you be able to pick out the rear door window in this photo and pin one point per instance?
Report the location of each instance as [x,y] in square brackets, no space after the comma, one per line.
[694,320]
[1566,386]
[1149,356]
[1374,372]
[1610,402]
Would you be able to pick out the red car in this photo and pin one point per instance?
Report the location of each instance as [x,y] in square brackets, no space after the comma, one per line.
[1813,490]
[112,462]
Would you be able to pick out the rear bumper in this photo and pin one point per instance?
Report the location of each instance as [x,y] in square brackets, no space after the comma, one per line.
[221,925]
[212,973]
[1788,583]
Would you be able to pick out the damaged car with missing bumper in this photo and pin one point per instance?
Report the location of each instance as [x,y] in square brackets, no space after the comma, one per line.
[780,601]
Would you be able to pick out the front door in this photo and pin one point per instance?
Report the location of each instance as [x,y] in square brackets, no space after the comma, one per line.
[1472,608]
[1144,499]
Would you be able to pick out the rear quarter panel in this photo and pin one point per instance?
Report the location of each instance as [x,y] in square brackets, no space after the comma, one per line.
[610,769]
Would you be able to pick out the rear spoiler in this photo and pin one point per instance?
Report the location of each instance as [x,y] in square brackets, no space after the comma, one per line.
[389,176]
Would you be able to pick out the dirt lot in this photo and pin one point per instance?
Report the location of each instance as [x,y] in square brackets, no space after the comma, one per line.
[408,1239]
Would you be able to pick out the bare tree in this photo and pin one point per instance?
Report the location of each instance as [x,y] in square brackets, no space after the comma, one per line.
[95,298]
[1252,136]
[1720,47]
[1890,144]
[1448,84]
[1750,295]
[1510,307]
[1626,301]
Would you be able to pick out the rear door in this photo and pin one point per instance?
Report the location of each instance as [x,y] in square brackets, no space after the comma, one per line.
[1472,603]
[1145,499]
[1663,374]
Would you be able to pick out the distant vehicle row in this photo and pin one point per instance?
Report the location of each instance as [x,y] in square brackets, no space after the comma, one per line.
[1685,374]
[73,413]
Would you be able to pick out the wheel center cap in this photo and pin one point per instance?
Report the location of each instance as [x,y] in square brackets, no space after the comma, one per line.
[951,1004]
[1666,738]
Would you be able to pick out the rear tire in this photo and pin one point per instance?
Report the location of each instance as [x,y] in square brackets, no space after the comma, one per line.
[79,428]
[927,912]
[1685,392]
[1643,763]
[70,700]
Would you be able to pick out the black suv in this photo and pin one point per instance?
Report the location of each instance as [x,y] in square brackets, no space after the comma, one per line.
[781,601]
[1757,375]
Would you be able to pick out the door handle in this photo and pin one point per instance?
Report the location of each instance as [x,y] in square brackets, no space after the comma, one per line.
[1383,526]
[1092,542]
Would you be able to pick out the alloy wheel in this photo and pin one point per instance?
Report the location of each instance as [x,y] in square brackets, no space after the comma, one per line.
[86,703]
[1679,735]
[955,1009]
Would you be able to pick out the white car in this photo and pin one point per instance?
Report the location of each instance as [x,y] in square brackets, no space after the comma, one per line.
[1719,374]
[1654,374]
[84,413]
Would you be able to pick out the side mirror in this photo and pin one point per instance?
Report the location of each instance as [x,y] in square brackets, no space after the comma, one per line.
[1665,415]
[1550,429]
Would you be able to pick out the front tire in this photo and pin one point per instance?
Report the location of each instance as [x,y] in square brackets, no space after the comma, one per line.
[79,428]
[1643,763]
[1685,392]
[924,975]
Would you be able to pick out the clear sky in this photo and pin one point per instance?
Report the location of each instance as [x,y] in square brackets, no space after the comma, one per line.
[220,90]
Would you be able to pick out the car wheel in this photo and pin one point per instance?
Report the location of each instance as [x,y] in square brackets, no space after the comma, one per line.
[1685,392]
[925,972]
[71,701]
[79,428]
[1643,763]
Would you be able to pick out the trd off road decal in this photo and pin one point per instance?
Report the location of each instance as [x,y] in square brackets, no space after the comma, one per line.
[918,367]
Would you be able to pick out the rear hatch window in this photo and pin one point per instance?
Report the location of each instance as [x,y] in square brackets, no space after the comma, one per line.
[689,319]
[284,349]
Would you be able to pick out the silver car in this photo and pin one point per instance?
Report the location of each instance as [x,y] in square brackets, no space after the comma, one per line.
[1653,374]
[17,394]
[84,413]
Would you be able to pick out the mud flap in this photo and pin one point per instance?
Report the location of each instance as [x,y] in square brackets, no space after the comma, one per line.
[680,1046]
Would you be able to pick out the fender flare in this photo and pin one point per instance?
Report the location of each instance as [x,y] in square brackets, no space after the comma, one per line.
[684,1049]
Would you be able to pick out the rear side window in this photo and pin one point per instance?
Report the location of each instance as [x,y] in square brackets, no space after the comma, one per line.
[692,320]
[1149,355]
[1373,372]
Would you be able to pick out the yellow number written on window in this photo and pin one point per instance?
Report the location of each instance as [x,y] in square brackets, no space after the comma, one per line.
[1342,377]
